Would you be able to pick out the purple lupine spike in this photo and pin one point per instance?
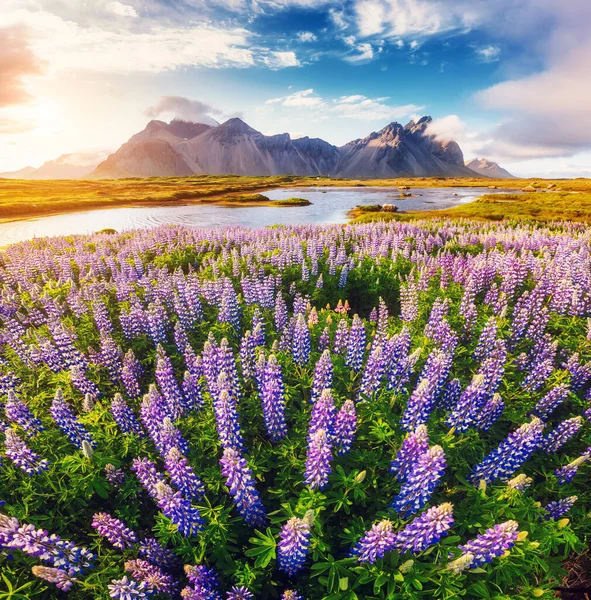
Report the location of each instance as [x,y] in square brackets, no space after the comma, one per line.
[486,340]
[131,372]
[300,347]
[323,415]
[422,400]
[21,455]
[16,410]
[375,543]
[147,475]
[426,529]
[124,416]
[241,486]
[182,475]
[493,542]
[323,373]
[540,364]
[114,475]
[192,393]
[345,426]
[157,554]
[66,420]
[567,473]
[63,581]
[294,542]
[110,356]
[204,584]
[50,549]
[101,316]
[230,310]
[558,508]
[239,593]
[181,339]
[168,384]
[324,340]
[318,459]
[128,589]
[420,482]
[156,323]
[415,444]
[179,510]
[228,426]
[258,328]
[491,411]
[247,356]
[409,301]
[551,401]
[81,382]
[273,400]
[341,337]
[561,434]
[114,530]
[373,373]
[451,394]
[510,454]
[579,373]
[155,578]
[291,595]
[356,344]
[280,315]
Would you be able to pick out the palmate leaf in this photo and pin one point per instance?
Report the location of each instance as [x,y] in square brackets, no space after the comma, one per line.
[265,548]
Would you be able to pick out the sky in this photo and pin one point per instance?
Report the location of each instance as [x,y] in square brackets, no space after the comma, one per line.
[509,80]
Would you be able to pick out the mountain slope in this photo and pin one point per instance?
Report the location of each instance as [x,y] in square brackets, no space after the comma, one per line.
[397,151]
[488,168]
[67,166]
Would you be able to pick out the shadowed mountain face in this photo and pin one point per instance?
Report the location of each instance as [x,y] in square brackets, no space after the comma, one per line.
[180,148]
[488,168]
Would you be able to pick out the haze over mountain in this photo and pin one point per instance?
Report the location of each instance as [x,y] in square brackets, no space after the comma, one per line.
[181,148]
[488,168]
[67,166]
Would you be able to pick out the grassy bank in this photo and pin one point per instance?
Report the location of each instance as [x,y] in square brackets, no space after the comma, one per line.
[21,199]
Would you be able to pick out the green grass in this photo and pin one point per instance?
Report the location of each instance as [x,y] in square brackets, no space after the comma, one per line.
[291,202]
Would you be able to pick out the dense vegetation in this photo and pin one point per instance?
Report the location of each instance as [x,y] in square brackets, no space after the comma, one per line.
[393,410]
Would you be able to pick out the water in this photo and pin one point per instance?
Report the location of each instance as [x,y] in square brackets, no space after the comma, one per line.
[329,205]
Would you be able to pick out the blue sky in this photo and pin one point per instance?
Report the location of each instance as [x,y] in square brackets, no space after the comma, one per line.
[508,79]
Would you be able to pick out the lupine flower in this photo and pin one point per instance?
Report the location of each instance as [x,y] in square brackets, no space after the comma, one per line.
[318,459]
[375,543]
[131,373]
[50,549]
[182,475]
[493,542]
[114,476]
[280,315]
[558,508]
[420,482]
[567,473]
[21,455]
[128,589]
[301,341]
[323,372]
[124,416]
[341,337]
[356,344]
[63,581]
[158,555]
[551,401]
[16,410]
[204,584]
[147,475]
[323,415]
[155,578]
[66,420]
[491,411]
[114,530]
[486,340]
[226,416]
[426,529]
[239,593]
[273,400]
[291,595]
[520,482]
[168,384]
[409,301]
[345,425]
[178,509]
[293,545]
[374,372]
[415,444]
[502,462]
[561,434]
[241,486]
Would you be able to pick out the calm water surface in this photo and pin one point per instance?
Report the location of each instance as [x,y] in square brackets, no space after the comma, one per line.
[329,205]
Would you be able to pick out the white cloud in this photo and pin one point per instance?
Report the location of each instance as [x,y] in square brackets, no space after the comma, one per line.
[365,51]
[413,45]
[355,106]
[488,53]
[280,60]
[123,10]
[184,108]
[370,17]
[307,36]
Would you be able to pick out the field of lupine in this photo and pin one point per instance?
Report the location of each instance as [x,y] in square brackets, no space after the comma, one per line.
[389,410]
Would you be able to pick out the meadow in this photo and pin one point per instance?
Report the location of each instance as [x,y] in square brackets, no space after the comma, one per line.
[20,199]
[373,411]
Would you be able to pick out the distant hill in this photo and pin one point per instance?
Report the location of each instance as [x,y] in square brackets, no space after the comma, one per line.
[68,166]
[233,147]
[488,168]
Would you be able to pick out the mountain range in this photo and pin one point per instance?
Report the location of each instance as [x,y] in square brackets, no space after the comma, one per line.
[488,168]
[67,166]
[182,148]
